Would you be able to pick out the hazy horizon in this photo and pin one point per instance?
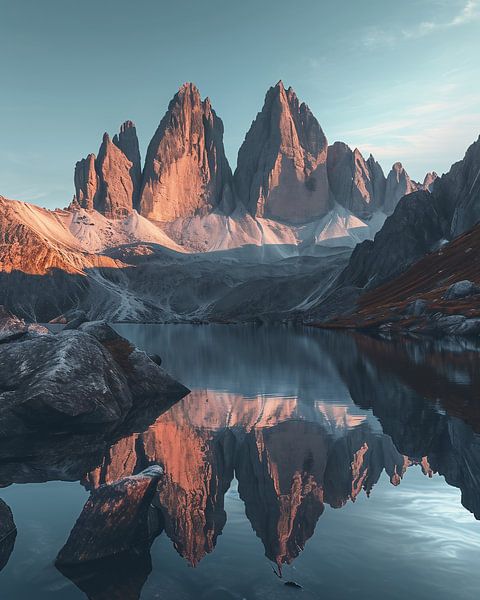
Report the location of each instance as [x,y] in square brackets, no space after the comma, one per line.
[400,81]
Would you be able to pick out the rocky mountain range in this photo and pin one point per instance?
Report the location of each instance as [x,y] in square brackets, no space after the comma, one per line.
[425,227]
[285,169]
[182,238]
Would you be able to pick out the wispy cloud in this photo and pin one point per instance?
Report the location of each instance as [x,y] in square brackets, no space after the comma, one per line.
[428,134]
[376,37]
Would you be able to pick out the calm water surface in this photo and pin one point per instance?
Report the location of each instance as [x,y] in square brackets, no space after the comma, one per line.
[347,464]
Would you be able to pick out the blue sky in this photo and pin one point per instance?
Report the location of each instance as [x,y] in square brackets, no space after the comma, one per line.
[398,78]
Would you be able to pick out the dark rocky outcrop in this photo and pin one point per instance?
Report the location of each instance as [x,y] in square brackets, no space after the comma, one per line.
[282,164]
[116,518]
[76,380]
[8,533]
[438,295]
[186,171]
[460,187]
[378,180]
[415,226]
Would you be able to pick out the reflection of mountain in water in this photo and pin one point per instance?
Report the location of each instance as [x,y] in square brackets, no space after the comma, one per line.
[290,459]
[357,408]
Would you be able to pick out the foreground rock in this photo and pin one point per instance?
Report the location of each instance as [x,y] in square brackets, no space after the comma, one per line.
[77,380]
[8,533]
[115,519]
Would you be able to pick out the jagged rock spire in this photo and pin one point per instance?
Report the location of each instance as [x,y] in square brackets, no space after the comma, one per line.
[281,170]
[186,171]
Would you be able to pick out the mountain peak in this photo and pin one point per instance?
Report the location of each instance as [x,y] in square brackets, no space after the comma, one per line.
[126,126]
[281,170]
[188,88]
[186,170]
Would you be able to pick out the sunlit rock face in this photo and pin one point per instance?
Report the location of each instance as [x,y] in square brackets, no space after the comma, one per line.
[429,181]
[116,188]
[282,164]
[186,172]
[110,182]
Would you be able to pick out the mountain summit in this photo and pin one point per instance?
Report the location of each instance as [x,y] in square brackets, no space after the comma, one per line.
[282,164]
[186,172]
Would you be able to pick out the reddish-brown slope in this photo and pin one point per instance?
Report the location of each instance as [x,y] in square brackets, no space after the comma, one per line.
[427,279]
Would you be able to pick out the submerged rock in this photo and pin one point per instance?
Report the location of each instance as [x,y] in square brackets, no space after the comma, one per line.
[8,533]
[117,578]
[116,519]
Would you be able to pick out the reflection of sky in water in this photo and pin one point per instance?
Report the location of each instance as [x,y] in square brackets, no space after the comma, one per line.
[413,539]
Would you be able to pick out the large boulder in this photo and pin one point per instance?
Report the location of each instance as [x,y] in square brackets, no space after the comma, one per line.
[145,377]
[116,519]
[77,380]
[461,289]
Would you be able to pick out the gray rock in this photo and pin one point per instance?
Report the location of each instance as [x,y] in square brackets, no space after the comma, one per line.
[461,289]
[398,185]
[156,359]
[416,308]
[76,380]
[282,164]
[76,319]
[8,533]
[186,171]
